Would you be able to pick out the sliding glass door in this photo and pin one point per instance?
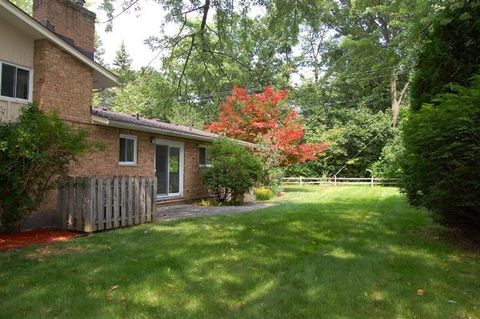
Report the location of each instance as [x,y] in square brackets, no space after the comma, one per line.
[169,168]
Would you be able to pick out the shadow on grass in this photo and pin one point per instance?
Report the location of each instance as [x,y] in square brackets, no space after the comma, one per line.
[354,257]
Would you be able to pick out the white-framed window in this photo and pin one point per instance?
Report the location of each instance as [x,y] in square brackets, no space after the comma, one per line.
[15,82]
[203,156]
[128,150]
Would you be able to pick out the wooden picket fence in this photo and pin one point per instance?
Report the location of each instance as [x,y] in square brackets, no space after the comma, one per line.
[97,203]
[339,181]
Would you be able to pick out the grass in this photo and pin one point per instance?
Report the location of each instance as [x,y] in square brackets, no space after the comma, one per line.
[345,252]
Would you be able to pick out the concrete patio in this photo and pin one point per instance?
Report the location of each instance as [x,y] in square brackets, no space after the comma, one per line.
[174,212]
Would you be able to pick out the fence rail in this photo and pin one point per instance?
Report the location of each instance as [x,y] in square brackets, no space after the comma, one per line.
[96,203]
[338,180]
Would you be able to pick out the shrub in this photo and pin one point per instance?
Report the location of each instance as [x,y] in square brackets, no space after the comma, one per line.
[442,154]
[35,152]
[263,193]
[233,172]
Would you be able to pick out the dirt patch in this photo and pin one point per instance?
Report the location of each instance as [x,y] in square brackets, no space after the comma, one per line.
[37,236]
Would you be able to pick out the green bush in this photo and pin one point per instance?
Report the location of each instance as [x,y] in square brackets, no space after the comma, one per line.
[35,152]
[442,155]
[388,164]
[233,172]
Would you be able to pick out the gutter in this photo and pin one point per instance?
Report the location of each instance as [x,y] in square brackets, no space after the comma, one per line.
[143,128]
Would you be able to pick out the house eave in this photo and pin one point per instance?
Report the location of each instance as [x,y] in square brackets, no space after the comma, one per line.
[148,129]
[102,77]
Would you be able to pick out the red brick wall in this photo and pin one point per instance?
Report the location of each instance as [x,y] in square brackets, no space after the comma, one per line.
[70,20]
[61,82]
[105,161]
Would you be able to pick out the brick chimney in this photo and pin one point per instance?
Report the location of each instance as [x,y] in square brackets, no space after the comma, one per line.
[69,20]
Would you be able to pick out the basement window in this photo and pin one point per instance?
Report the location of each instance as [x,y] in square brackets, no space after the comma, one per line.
[15,82]
[128,150]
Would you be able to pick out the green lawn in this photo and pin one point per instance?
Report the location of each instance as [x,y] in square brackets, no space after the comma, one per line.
[345,252]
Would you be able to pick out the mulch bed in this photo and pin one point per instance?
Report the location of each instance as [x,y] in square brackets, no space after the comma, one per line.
[32,237]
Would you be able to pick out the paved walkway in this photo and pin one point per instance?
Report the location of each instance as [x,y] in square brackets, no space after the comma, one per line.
[186,211]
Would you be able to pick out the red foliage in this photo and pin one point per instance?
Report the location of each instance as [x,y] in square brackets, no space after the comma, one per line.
[257,118]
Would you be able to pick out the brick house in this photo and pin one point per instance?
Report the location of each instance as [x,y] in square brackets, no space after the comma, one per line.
[49,59]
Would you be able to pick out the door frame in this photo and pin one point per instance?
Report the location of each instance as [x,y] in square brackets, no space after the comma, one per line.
[181,146]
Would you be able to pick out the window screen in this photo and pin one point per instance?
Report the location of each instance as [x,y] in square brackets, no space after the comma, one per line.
[8,80]
[22,83]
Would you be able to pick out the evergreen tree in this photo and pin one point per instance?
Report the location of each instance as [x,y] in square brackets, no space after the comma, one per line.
[451,55]
[122,65]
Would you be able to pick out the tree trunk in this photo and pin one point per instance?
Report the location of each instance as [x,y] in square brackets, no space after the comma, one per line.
[397,99]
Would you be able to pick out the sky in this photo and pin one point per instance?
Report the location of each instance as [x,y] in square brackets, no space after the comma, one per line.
[133,28]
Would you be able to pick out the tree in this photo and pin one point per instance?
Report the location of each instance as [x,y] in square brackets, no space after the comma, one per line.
[99,51]
[35,152]
[25,5]
[258,118]
[440,166]
[122,65]
[355,139]
[451,53]
[441,138]
[147,94]
[374,43]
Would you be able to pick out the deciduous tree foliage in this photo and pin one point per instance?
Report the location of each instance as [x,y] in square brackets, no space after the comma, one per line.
[258,118]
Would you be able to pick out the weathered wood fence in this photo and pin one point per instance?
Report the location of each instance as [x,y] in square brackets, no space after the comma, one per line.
[96,203]
[339,180]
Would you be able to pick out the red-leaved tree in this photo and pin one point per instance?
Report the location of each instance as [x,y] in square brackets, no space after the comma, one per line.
[258,118]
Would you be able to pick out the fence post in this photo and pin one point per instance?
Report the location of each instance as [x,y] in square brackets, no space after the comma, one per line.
[301,181]
[335,180]
[371,181]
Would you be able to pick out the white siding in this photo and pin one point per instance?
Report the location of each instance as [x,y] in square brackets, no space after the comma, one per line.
[16,48]
[9,111]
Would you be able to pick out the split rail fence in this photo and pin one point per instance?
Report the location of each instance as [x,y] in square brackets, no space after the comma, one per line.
[97,203]
[339,181]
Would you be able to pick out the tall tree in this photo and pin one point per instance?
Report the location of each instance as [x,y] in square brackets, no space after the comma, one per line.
[122,65]
[372,49]
[451,54]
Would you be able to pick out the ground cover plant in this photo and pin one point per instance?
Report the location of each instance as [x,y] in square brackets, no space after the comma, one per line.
[324,252]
